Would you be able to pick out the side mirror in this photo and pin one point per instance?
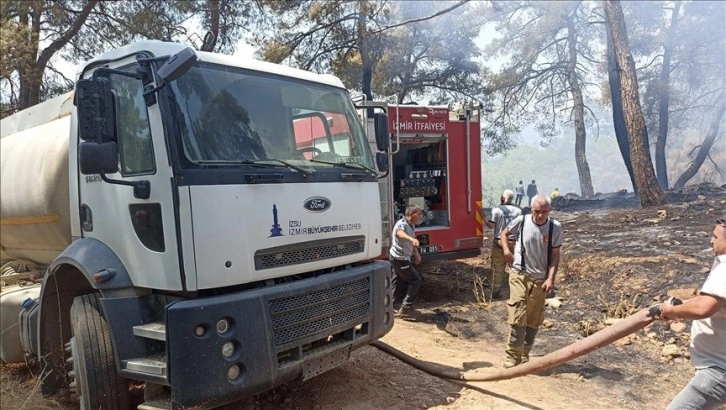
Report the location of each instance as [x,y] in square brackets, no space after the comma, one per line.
[102,158]
[98,158]
[382,161]
[380,121]
[96,105]
[177,65]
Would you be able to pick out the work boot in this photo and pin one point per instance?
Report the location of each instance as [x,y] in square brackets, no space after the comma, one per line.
[515,347]
[405,310]
[529,336]
[510,362]
[525,353]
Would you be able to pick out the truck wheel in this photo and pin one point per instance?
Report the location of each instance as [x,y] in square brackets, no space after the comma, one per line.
[98,385]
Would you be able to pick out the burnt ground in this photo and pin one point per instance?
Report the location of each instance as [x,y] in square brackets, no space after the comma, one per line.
[614,262]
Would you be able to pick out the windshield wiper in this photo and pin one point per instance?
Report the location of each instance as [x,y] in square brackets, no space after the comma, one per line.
[289,165]
[349,165]
[259,162]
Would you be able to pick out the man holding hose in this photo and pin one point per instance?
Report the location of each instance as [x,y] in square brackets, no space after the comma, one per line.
[707,389]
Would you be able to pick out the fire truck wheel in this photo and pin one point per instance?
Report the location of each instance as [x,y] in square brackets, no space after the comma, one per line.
[316,150]
[98,385]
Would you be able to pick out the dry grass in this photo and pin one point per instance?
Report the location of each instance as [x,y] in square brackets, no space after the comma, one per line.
[589,326]
[621,308]
[20,389]
[481,290]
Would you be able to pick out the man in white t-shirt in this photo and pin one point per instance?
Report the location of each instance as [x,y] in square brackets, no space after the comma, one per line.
[707,389]
[533,265]
[500,219]
[519,189]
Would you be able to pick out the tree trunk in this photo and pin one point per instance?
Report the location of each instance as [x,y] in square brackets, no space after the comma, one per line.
[366,63]
[650,192]
[31,78]
[210,39]
[704,149]
[621,132]
[664,103]
[583,169]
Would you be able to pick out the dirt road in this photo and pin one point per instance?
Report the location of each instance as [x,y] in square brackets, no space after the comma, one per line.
[613,263]
[628,377]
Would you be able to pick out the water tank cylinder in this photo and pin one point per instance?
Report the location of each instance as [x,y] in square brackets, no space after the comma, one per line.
[34,199]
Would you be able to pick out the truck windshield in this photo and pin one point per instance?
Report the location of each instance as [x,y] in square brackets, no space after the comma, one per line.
[231,117]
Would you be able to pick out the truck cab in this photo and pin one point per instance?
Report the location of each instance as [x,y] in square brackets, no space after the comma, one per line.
[214,253]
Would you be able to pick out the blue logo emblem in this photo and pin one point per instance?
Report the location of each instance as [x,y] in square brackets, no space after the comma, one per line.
[317,204]
[276,230]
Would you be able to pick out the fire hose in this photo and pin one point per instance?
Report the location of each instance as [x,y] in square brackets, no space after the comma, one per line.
[581,347]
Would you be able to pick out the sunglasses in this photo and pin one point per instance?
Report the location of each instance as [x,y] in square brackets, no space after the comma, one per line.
[721,222]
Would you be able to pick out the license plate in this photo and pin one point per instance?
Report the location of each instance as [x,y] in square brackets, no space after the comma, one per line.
[427,249]
[322,364]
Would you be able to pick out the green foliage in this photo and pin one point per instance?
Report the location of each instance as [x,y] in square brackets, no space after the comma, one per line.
[433,57]
[33,32]
[531,85]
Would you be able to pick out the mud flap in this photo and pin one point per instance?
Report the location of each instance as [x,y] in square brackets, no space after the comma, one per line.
[321,364]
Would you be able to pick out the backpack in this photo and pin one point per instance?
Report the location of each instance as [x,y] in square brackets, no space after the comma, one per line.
[506,214]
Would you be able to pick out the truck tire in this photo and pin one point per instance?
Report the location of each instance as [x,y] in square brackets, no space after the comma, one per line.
[98,384]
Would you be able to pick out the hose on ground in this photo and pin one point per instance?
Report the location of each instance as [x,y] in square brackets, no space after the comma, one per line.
[581,347]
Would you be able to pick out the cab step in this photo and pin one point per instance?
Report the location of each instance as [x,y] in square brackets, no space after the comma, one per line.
[154,365]
[153,330]
[159,403]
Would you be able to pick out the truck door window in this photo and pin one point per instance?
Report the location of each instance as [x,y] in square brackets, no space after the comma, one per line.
[134,133]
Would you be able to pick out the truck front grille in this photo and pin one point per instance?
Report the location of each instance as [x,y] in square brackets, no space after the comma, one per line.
[308,252]
[300,316]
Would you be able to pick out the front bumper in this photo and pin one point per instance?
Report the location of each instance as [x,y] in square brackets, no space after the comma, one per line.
[280,333]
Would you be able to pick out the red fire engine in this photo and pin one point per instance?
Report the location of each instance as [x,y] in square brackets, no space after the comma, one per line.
[434,162]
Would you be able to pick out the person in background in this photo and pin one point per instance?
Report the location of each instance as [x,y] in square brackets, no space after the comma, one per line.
[500,218]
[707,389]
[532,270]
[406,280]
[531,192]
[519,189]
[555,193]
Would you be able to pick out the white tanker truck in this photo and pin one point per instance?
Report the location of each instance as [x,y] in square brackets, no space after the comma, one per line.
[183,235]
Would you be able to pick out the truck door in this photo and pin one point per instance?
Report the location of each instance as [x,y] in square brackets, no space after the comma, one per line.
[142,232]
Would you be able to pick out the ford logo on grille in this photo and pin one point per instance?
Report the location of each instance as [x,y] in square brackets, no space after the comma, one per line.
[317,204]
